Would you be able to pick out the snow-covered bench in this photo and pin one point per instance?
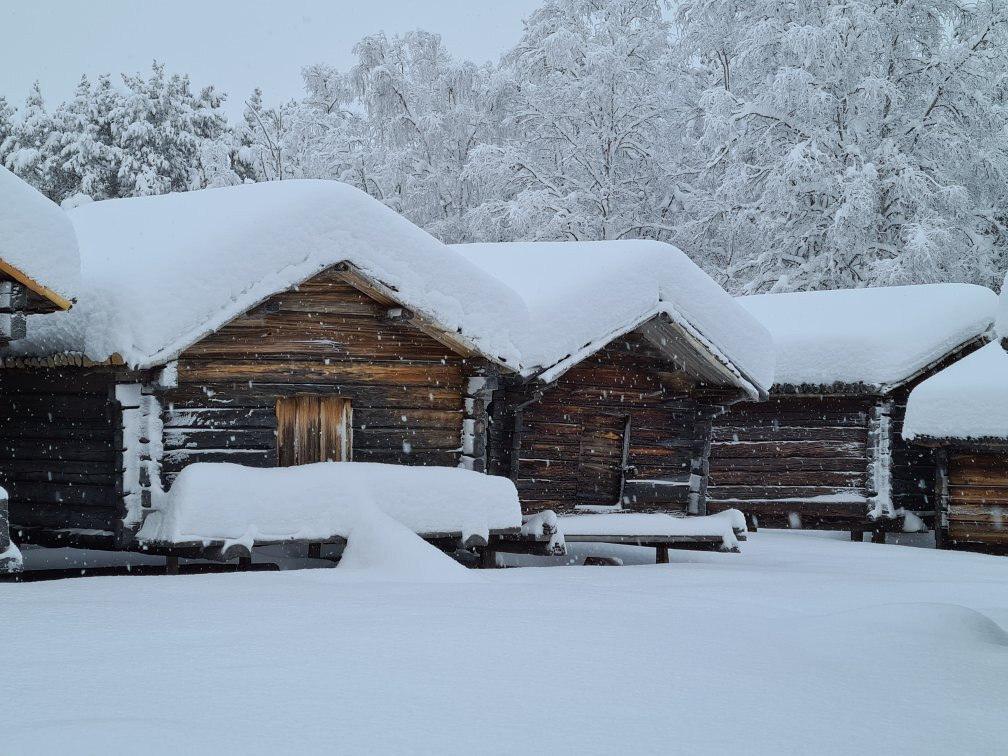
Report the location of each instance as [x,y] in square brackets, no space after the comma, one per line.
[717,532]
[222,510]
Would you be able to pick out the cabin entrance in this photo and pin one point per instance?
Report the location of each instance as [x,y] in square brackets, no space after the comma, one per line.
[602,462]
[313,429]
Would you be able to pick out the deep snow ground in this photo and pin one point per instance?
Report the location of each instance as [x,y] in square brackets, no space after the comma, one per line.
[800,645]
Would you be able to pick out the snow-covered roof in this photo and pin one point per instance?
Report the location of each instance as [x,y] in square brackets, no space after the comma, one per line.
[581,295]
[878,338]
[967,400]
[37,242]
[160,273]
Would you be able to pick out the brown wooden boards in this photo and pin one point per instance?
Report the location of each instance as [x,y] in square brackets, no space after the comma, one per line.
[313,429]
[978,497]
[601,459]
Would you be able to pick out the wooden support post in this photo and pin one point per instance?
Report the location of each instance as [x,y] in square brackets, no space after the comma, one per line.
[661,554]
[314,550]
[488,559]
[857,535]
[171,565]
[244,563]
[940,494]
[878,535]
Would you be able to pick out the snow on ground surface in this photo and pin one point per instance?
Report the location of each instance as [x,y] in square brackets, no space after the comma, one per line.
[36,237]
[623,283]
[238,504]
[968,399]
[795,646]
[162,272]
[879,337]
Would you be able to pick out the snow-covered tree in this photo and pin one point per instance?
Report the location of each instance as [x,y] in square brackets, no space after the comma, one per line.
[165,131]
[586,102]
[86,155]
[27,148]
[847,142]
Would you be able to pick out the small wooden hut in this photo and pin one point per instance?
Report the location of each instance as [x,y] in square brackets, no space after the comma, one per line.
[826,450]
[961,416]
[39,272]
[286,323]
[617,417]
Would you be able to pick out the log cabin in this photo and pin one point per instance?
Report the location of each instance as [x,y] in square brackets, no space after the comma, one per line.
[39,274]
[826,450]
[293,322]
[618,419]
[960,416]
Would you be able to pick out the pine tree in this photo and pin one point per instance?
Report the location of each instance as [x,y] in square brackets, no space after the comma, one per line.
[28,148]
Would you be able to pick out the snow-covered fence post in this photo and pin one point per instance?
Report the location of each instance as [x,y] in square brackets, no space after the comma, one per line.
[880,467]
[10,557]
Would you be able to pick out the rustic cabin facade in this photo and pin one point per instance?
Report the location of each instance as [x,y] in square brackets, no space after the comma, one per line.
[361,338]
[826,450]
[627,428]
[38,255]
[961,416]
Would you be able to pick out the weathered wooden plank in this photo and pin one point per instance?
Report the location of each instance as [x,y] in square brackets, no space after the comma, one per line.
[788,449]
[391,374]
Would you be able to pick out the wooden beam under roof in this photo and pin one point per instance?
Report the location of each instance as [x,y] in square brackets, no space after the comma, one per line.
[59,302]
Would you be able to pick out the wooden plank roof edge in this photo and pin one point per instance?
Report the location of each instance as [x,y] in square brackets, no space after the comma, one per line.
[63,359]
[429,325]
[31,284]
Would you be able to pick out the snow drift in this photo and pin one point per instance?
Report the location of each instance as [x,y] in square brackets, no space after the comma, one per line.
[213,502]
[37,238]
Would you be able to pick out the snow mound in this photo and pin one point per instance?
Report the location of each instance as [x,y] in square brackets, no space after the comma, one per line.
[967,400]
[235,504]
[387,550]
[878,337]
[37,238]
[959,626]
[581,295]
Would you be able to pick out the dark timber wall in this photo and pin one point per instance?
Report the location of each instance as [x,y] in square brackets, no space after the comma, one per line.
[976,499]
[804,454]
[406,390]
[60,453]
[572,440]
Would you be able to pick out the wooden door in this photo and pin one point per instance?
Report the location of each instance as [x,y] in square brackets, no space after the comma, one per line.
[602,460]
[313,429]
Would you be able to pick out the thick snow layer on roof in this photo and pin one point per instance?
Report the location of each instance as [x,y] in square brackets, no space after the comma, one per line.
[968,399]
[37,238]
[236,504]
[162,272]
[582,294]
[878,337]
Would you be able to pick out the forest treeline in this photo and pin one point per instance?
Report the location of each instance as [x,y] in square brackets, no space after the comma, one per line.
[783,146]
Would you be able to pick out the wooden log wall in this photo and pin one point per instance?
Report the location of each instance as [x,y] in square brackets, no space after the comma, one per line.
[60,454]
[913,466]
[794,454]
[328,338]
[977,506]
[667,443]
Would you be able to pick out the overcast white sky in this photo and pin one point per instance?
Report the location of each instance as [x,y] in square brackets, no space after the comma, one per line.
[233,45]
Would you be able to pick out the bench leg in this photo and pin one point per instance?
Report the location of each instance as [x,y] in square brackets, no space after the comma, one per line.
[857,535]
[488,559]
[878,536]
[314,550]
[171,565]
[661,555]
